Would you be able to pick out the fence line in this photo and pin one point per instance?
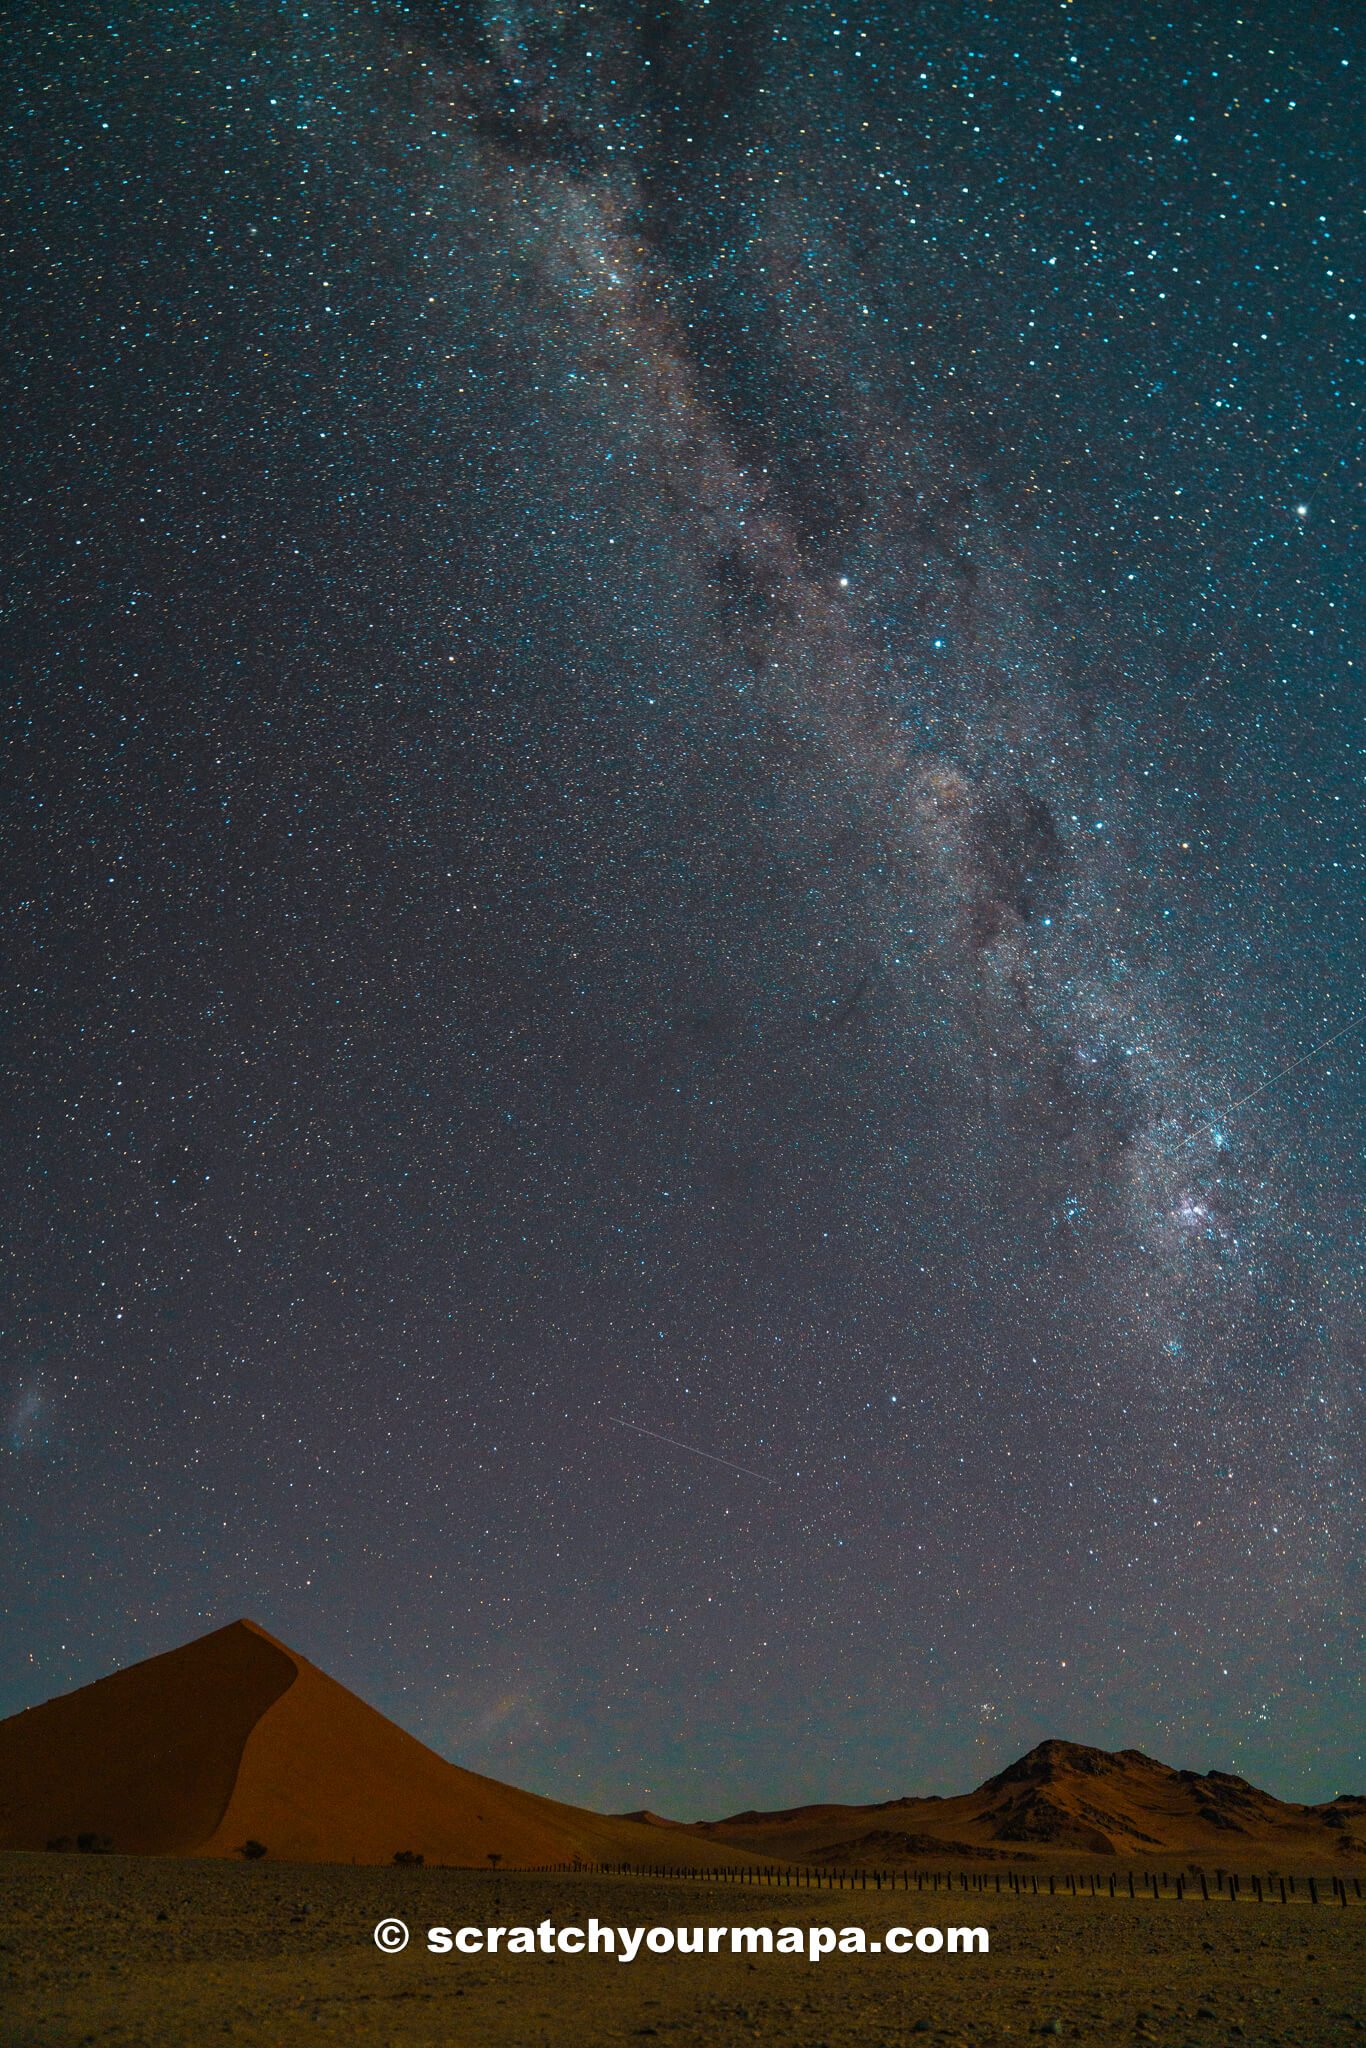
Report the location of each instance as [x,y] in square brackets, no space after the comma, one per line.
[1271,1888]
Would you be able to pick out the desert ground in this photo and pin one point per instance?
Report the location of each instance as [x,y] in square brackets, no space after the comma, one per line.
[159,1951]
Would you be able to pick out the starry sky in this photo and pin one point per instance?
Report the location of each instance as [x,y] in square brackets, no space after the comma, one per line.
[685,721]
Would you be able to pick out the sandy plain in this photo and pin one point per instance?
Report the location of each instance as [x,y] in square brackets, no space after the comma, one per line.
[147,1952]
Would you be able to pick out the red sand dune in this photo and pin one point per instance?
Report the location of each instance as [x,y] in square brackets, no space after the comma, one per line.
[235,1738]
[1063,1799]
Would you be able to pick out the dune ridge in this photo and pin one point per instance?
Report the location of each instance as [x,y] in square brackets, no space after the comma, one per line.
[235,1738]
[86,1763]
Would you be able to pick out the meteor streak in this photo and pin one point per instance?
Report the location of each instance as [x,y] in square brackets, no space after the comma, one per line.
[766,1477]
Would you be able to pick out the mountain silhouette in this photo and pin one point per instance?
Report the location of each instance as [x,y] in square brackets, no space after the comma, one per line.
[235,1739]
[1063,1798]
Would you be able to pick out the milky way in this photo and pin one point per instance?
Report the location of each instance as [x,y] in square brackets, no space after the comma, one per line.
[687,744]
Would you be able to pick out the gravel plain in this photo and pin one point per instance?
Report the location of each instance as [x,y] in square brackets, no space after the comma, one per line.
[148,1952]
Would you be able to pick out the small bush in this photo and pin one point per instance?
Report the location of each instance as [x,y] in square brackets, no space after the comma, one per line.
[93,1844]
[253,1851]
[408,1856]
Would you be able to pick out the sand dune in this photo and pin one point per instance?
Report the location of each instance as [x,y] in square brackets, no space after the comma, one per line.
[1065,1799]
[147,1757]
[235,1738]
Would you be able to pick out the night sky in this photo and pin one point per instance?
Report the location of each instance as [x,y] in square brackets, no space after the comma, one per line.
[685,736]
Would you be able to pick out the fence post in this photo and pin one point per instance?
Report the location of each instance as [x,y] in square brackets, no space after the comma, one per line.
[1313,1893]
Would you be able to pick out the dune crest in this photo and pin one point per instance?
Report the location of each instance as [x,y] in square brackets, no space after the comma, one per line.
[234,1738]
[148,1757]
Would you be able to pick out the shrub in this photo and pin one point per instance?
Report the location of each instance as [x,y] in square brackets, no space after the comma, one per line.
[412,1856]
[253,1851]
